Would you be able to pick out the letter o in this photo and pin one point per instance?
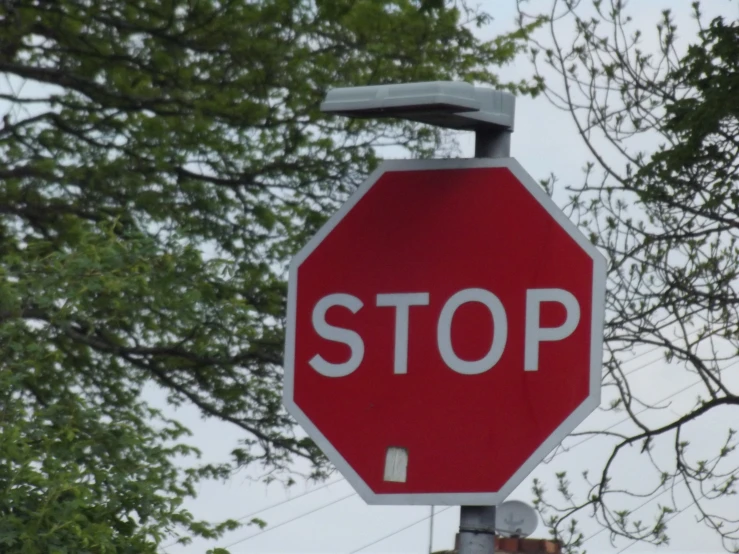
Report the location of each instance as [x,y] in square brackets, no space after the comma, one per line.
[444,331]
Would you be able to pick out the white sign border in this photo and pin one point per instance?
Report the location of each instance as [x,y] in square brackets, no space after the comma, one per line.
[567,426]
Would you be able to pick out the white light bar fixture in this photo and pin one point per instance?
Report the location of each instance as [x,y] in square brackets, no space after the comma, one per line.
[455,105]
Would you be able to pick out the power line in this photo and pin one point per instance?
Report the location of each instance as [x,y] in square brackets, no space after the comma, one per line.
[649,351]
[642,354]
[634,370]
[301,495]
[314,510]
[653,498]
[648,501]
[640,506]
[628,418]
[407,527]
[275,505]
[398,531]
[694,502]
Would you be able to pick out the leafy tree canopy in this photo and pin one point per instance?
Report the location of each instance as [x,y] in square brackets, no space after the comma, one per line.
[159,162]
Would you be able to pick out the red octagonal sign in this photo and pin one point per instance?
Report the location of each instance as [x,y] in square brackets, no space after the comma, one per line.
[444,332]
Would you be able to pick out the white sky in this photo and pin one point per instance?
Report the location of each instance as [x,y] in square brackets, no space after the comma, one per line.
[545,142]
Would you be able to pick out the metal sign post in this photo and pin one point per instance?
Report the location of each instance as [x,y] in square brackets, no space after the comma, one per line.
[477,523]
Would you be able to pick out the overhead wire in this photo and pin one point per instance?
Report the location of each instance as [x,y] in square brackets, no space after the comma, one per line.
[693,503]
[634,370]
[631,372]
[650,350]
[287,521]
[640,506]
[642,410]
[397,531]
[276,504]
[301,495]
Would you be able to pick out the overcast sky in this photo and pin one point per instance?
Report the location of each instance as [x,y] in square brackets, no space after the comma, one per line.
[544,142]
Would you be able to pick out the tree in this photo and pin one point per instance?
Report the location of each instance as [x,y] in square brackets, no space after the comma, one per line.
[667,219]
[159,162]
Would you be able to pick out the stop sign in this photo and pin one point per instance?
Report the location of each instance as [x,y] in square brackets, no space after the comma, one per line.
[444,332]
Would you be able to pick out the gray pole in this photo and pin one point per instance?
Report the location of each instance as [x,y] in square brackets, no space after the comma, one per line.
[491,142]
[431,531]
[477,530]
[477,523]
